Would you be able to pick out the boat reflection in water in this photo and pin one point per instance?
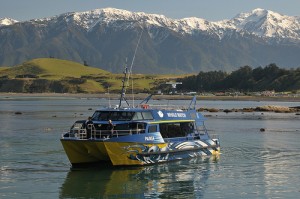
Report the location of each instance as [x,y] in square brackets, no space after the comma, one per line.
[186,178]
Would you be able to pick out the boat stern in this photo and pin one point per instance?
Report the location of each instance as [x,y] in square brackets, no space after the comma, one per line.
[84,151]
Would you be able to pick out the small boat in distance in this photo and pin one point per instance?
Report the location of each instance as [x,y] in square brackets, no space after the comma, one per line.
[140,135]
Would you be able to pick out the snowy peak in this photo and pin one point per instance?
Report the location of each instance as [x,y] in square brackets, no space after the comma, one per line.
[259,22]
[89,19]
[7,21]
[112,17]
[263,23]
[266,23]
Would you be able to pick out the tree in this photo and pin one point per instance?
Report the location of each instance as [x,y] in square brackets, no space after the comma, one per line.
[271,77]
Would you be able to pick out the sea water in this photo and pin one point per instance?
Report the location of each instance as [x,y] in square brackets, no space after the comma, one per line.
[253,164]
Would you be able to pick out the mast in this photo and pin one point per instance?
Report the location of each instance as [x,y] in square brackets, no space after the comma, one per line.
[122,97]
[127,74]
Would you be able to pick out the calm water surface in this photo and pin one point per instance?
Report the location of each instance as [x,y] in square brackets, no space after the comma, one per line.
[253,164]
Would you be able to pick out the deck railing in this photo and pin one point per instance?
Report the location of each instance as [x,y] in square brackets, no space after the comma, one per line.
[100,134]
[167,107]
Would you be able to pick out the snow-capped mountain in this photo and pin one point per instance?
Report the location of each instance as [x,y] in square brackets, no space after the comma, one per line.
[105,37]
[269,24]
[260,22]
[7,21]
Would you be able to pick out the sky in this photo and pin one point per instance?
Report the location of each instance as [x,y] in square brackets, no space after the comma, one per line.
[212,10]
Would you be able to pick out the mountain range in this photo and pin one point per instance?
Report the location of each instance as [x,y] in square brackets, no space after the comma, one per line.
[107,39]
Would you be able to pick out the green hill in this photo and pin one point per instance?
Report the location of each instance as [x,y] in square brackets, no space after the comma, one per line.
[62,76]
[52,69]
[58,75]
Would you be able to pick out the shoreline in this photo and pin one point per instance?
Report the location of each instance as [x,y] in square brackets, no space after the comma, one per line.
[142,96]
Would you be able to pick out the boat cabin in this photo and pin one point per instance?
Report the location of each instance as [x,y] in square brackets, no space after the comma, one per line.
[117,115]
[170,124]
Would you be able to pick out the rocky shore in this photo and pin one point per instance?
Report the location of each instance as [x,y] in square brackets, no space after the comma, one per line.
[266,108]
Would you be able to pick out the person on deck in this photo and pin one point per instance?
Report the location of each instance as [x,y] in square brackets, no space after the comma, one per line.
[89,125]
[110,127]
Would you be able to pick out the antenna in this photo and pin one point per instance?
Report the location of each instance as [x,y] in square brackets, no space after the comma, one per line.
[132,93]
[130,71]
[122,97]
[127,75]
[109,105]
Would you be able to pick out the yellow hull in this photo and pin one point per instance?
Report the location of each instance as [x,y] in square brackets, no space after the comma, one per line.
[132,153]
[216,152]
[125,153]
[85,151]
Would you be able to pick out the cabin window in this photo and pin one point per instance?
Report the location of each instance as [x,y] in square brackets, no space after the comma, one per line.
[113,115]
[170,130]
[121,115]
[100,115]
[152,129]
[137,127]
[143,116]
[137,116]
[147,115]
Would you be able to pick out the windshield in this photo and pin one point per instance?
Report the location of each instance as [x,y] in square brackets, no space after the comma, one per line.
[113,115]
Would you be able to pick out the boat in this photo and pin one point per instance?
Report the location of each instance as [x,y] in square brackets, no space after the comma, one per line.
[141,135]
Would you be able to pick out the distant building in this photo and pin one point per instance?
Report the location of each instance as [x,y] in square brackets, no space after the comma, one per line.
[220,94]
[191,93]
[27,76]
[268,93]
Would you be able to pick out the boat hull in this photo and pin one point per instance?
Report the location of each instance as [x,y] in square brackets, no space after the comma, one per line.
[85,151]
[128,153]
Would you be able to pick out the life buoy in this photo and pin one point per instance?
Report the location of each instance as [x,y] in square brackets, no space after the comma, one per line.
[144,106]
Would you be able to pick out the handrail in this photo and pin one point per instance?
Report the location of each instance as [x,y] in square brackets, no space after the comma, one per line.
[114,133]
[100,134]
[167,107]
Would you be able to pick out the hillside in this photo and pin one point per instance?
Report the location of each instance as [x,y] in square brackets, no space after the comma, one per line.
[49,75]
[62,76]
[52,69]
[245,79]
